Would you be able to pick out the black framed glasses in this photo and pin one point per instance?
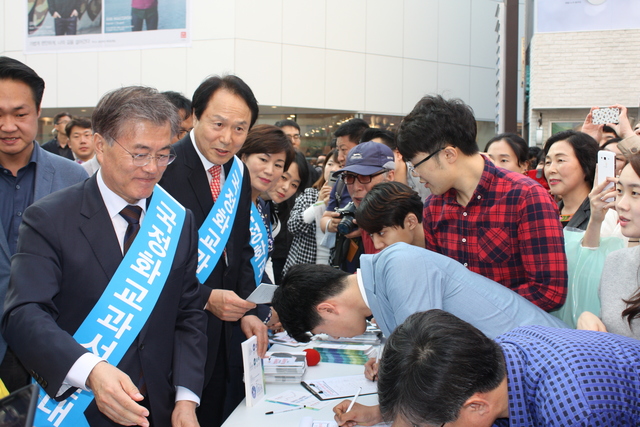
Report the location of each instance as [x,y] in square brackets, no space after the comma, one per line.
[413,167]
[350,178]
[140,160]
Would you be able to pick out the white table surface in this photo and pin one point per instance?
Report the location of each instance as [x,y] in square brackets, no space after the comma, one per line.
[255,416]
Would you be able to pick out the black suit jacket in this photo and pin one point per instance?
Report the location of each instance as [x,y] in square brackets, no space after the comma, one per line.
[67,253]
[186,180]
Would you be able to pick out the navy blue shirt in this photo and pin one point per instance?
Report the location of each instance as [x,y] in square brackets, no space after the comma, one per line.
[16,193]
[564,377]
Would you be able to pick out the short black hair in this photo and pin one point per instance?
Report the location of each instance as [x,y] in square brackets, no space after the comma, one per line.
[12,69]
[585,149]
[352,129]
[609,129]
[434,123]
[610,141]
[179,101]
[388,137]
[535,154]
[57,117]
[432,364]
[81,122]
[387,204]
[233,84]
[304,172]
[303,288]
[516,142]
[287,122]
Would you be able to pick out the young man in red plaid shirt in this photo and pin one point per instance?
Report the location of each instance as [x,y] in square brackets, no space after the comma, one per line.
[497,223]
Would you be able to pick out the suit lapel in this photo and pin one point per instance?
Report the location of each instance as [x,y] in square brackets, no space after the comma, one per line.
[3,242]
[44,176]
[197,178]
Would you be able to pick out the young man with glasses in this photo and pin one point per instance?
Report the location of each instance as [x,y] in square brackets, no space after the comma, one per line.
[368,164]
[497,223]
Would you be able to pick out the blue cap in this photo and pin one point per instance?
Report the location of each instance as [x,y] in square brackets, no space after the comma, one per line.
[368,158]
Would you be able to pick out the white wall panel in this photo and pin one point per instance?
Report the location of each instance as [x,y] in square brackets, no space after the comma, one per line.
[383,90]
[454,31]
[304,23]
[384,27]
[213,19]
[165,69]
[77,88]
[346,25]
[205,58]
[453,81]
[115,69]
[483,35]
[344,87]
[420,78]
[259,20]
[303,76]
[482,90]
[47,68]
[260,66]
[421,29]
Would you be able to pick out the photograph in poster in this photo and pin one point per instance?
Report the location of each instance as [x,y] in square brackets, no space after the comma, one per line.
[554,16]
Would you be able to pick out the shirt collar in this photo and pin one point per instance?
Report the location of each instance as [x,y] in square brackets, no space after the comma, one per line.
[112,201]
[361,287]
[484,185]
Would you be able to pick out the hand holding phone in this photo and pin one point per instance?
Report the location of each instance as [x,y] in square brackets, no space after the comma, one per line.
[604,115]
[606,168]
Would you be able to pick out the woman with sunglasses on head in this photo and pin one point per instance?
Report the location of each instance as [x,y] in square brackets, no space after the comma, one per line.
[304,222]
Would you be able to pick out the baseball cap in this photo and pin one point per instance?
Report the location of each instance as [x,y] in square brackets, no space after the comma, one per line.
[368,158]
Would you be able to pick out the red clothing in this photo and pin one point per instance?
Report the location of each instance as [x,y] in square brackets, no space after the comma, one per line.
[509,232]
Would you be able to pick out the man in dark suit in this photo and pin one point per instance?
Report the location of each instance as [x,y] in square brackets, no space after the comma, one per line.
[72,243]
[27,173]
[224,109]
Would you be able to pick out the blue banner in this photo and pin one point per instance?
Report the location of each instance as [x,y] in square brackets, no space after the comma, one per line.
[259,243]
[126,304]
[216,229]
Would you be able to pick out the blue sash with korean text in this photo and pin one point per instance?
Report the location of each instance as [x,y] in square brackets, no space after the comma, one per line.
[259,243]
[125,305]
[216,229]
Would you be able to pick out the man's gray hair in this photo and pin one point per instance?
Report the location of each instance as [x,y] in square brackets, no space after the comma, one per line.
[132,105]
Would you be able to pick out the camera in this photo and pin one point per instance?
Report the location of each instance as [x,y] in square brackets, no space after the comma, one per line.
[347,213]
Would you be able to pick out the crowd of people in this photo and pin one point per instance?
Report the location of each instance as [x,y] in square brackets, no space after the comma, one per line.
[133,238]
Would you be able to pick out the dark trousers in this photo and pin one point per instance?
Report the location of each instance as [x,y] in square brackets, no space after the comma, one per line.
[138,16]
[12,372]
[210,413]
[66,26]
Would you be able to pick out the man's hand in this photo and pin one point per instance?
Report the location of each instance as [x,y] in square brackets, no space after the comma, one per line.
[623,127]
[371,369]
[590,322]
[252,325]
[74,13]
[184,414]
[591,129]
[358,415]
[56,15]
[227,305]
[116,396]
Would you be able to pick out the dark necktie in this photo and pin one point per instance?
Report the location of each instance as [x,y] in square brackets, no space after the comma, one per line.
[131,214]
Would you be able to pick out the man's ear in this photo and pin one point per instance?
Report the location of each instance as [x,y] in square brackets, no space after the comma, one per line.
[450,154]
[476,406]
[98,143]
[391,174]
[411,221]
[326,307]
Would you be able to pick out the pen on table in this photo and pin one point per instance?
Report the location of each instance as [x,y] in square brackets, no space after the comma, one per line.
[353,402]
[284,410]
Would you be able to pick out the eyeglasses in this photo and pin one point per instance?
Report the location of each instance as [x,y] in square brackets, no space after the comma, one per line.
[350,178]
[412,168]
[144,159]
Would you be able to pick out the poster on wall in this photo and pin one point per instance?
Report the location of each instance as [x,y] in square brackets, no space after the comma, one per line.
[89,25]
[555,16]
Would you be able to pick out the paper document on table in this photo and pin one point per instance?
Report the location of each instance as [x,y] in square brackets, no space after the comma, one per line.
[340,387]
[263,294]
[298,398]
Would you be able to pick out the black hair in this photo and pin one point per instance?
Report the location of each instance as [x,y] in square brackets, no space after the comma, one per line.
[632,311]
[432,364]
[517,144]
[179,101]
[388,137]
[610,141]
[585,149]
[333,154]
[80,122]
[12,69]
[57,117]
[233,84]
[270,140]
[609,129]
[353,130]
[287,122]
[387,204]
[303,171]
[303,288]
[435,123]
[536,156]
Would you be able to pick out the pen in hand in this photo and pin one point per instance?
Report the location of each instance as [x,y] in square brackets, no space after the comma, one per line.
[353,402]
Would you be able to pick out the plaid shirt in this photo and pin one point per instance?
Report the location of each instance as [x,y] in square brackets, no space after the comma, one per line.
[509,232]
[304,246]
[564,377]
